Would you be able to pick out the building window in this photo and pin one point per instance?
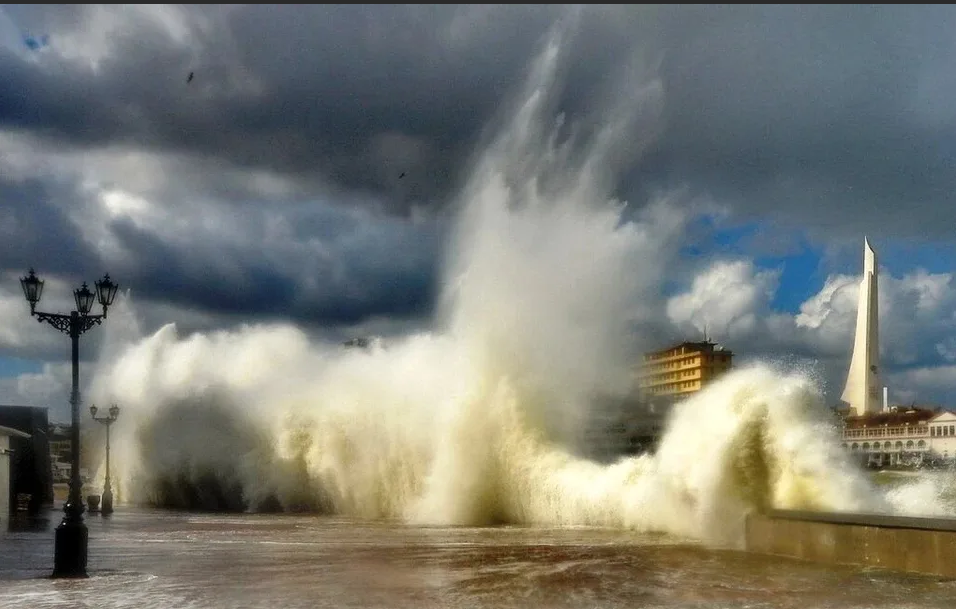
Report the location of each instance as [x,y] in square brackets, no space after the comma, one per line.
[921,443]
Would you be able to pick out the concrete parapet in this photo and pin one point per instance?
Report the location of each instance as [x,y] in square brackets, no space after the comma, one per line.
[919,545]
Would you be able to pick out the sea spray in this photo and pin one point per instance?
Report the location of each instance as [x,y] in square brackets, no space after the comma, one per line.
[471,423]
[757,438]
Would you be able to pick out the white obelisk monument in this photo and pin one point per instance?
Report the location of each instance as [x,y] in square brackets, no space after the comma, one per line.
[863,387]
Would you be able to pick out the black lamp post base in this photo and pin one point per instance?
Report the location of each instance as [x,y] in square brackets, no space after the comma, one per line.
[69,554]
[107,504]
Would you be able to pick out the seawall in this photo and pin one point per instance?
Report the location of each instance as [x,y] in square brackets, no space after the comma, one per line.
[917,545]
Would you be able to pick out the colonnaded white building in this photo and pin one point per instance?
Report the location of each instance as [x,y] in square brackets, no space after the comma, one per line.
[902,437]
[885,435]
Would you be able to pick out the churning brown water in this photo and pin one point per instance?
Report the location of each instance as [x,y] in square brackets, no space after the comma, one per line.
[175,560]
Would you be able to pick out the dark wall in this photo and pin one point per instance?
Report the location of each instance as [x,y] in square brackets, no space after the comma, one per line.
[30,469]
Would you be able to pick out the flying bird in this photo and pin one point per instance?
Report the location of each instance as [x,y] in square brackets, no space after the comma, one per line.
[189,78]
[401,176]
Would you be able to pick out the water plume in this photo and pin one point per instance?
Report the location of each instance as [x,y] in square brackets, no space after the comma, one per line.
[471,423]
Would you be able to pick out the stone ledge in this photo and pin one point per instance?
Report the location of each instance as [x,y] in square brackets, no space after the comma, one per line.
[870,520]
[916,545]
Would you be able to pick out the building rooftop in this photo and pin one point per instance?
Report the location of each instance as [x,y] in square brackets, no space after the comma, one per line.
[9,431]
[910,415]
[705,346]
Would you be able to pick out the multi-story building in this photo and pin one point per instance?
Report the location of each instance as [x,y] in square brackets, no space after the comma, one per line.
[635,425]
[902,437]
[60,443]
[679,371]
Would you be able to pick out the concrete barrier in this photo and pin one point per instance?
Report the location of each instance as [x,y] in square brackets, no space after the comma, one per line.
[918,545]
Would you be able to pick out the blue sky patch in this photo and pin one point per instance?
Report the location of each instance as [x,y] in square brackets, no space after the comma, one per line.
[15,366]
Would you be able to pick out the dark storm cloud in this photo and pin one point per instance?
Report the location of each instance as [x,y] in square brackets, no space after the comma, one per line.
[823,115]
[34,232]
[355,94]
[836,118]
[799,110]
[391,274]
[229,281]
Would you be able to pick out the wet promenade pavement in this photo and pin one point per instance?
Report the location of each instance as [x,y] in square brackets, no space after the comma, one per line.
[171,560]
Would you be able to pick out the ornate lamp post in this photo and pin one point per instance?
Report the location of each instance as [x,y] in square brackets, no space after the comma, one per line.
[108,420]
[72,537]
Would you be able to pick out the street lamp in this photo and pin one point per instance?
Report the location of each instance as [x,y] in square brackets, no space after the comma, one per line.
[108,420]
[72,537]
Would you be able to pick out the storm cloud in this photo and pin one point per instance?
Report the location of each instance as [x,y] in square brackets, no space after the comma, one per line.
[309,169]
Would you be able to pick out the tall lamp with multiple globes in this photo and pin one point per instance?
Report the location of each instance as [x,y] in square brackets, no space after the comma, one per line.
[71,539]
[108,420]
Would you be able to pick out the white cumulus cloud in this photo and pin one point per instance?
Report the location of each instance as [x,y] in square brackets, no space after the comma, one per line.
[724,300]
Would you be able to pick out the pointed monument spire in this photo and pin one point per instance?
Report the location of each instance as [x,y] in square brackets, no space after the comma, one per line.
[863,389]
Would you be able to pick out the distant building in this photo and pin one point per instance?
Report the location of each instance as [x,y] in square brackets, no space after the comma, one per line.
[31,475]
[363,342]
[61,451]
[636,424]
[902,437]
[7,497]
[682,370]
